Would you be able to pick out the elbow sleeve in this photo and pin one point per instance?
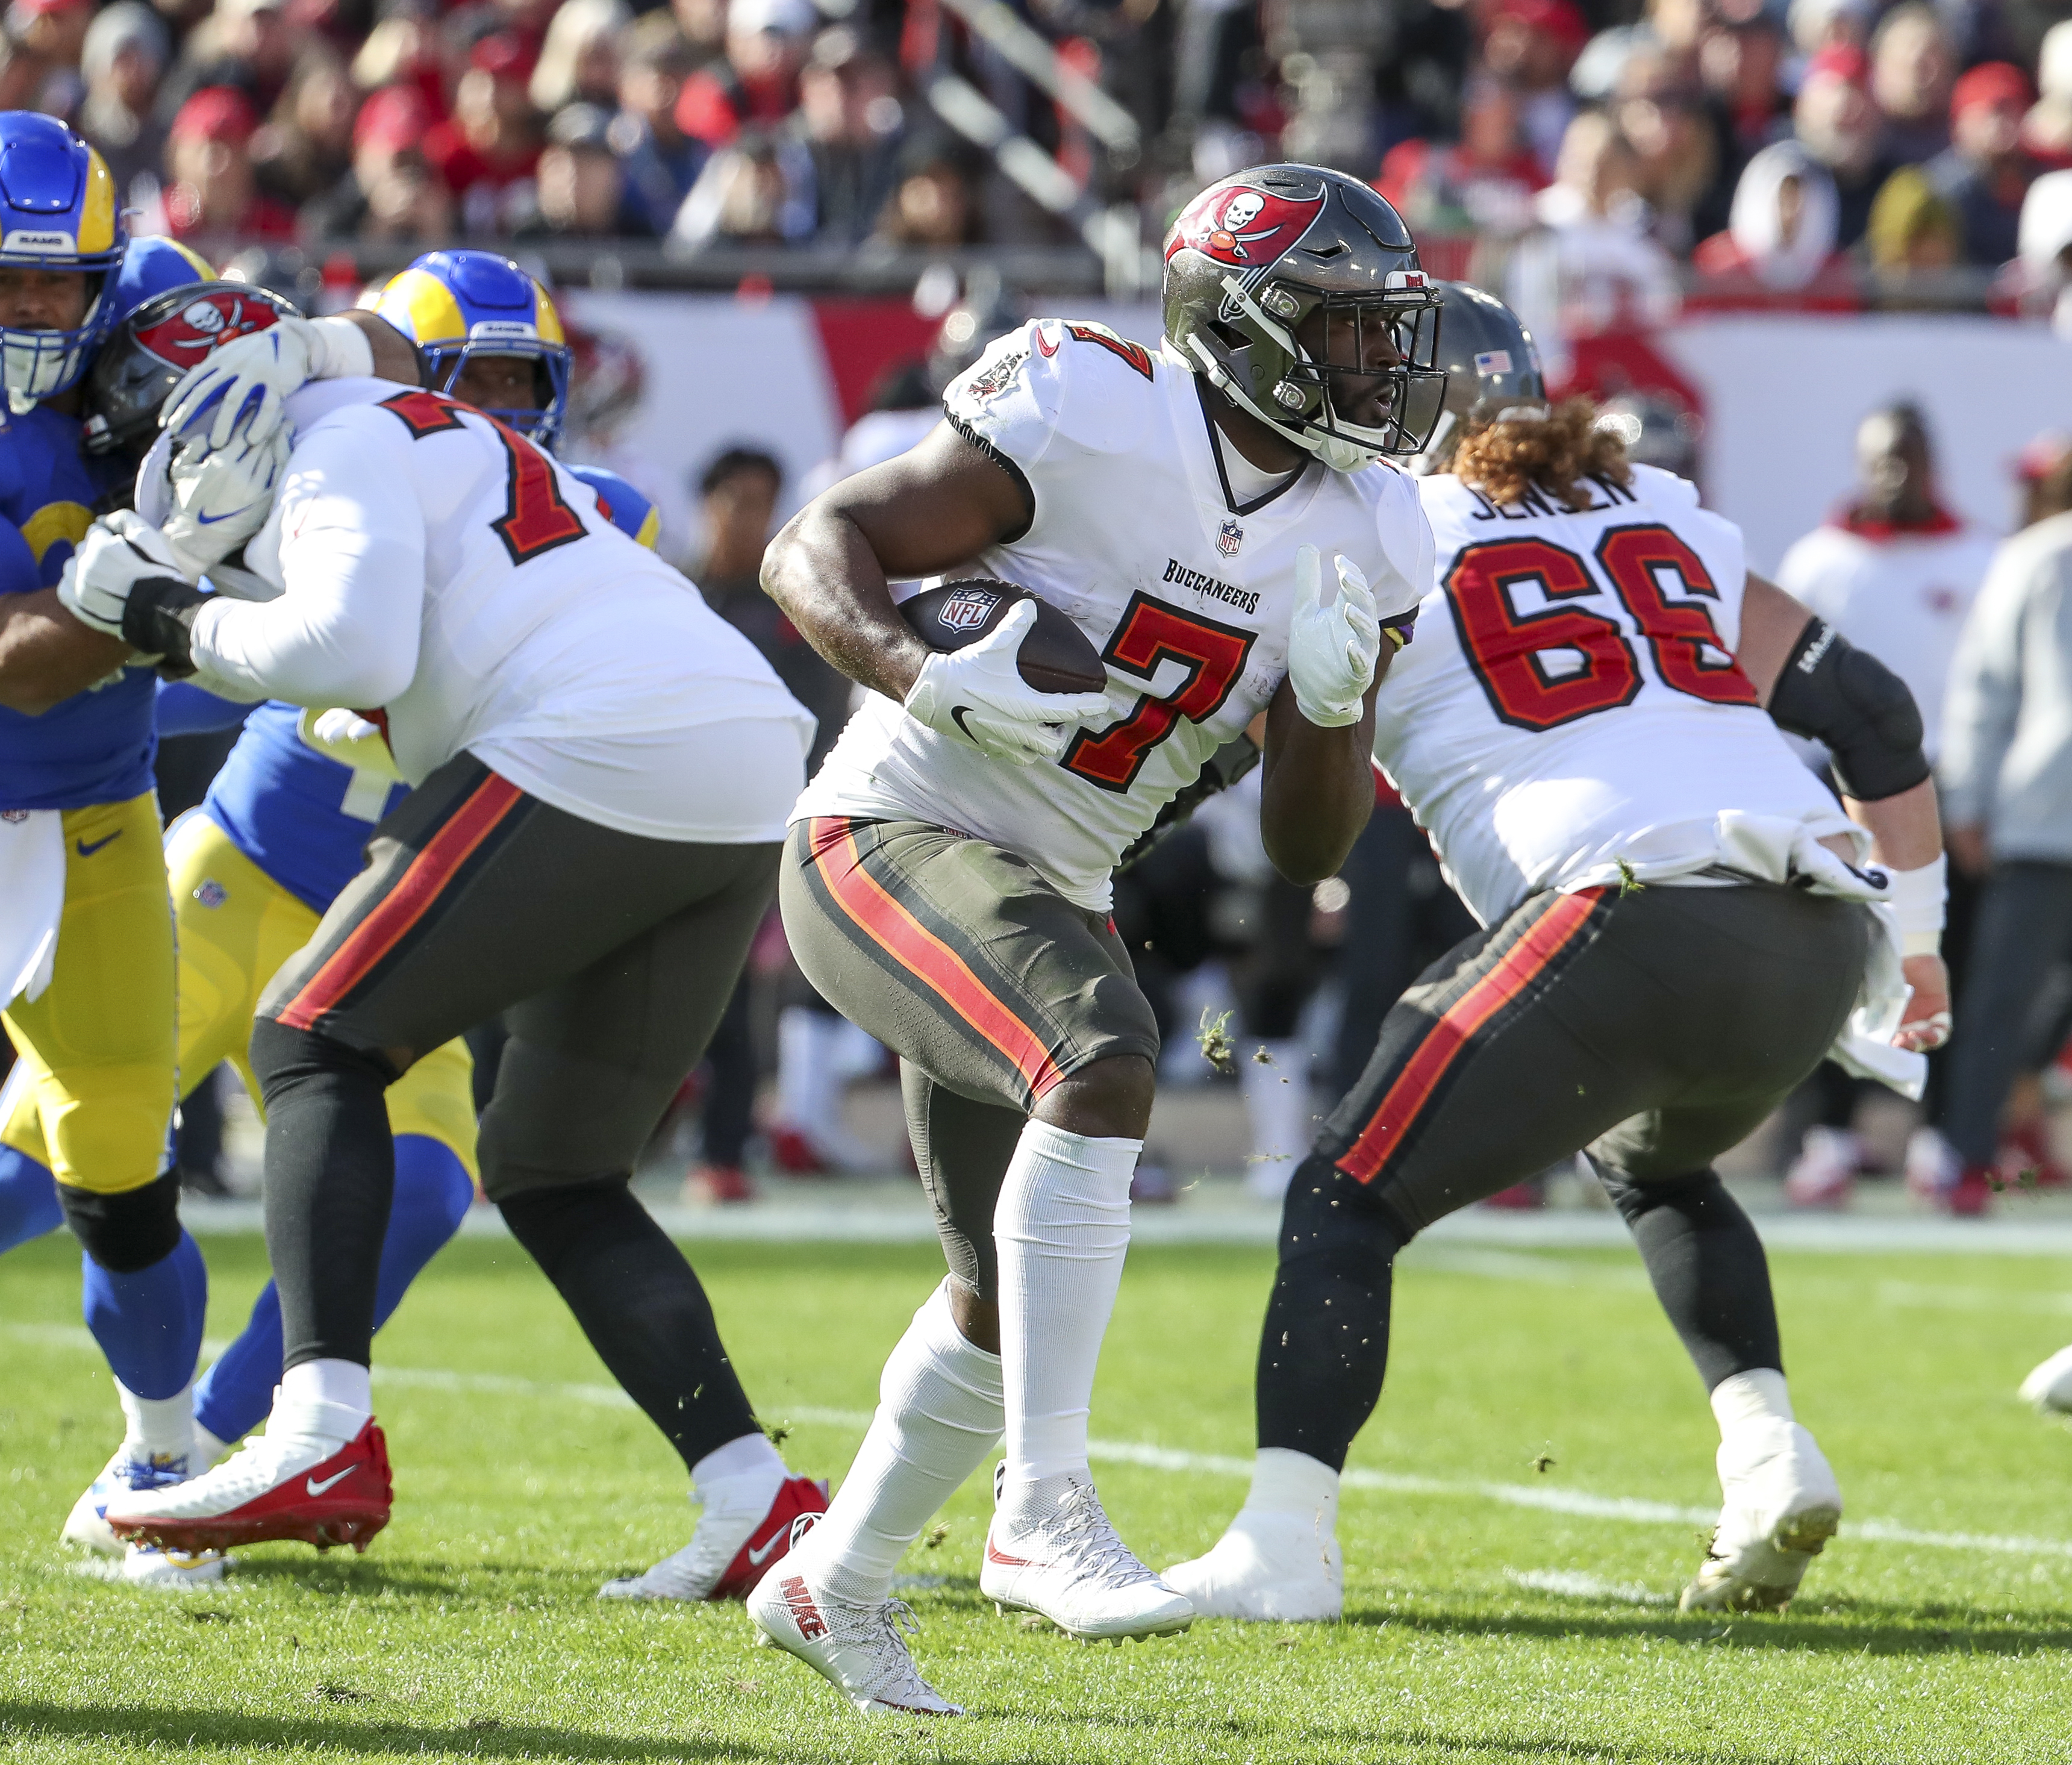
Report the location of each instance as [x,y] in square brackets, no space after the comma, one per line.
[1847,699]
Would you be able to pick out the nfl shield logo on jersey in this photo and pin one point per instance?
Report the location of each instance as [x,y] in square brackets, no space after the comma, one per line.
[1229,537]
[968,609]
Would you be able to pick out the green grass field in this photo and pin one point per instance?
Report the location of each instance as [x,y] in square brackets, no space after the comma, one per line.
[1496,1610]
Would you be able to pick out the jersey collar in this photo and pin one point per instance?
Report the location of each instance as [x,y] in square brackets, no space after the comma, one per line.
[1216,444]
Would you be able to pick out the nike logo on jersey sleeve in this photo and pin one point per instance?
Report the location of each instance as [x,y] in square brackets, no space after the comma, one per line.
[86,851]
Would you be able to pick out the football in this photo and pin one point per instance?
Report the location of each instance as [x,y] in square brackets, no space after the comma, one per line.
[1056,657]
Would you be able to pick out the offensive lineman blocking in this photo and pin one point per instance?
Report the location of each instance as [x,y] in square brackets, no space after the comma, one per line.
[601,766]
[1675,932]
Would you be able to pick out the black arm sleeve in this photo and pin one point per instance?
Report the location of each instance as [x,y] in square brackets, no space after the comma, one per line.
[1835,693]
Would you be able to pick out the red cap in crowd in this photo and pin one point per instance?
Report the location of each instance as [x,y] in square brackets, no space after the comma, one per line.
[503,54]
[395,117]
[1841,61]
[1560,19]
[216,113]
[1991,82]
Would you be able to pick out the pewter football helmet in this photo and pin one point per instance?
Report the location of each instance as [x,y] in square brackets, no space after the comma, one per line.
[1251,257]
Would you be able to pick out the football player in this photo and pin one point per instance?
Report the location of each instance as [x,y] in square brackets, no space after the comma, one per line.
[946,883]
[602,767]
[86,937]
[278,836]
[1675,930]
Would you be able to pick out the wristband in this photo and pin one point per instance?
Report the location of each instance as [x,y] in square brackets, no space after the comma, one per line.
[1918,896]
[347,352]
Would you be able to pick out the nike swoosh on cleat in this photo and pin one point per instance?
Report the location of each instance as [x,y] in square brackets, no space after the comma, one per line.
[86,851]
[994,1554]
[316,1488]
[758,1557]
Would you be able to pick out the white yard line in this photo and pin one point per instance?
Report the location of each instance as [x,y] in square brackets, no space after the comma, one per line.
[1577,1584]
[2019,1232]
[1631,1510]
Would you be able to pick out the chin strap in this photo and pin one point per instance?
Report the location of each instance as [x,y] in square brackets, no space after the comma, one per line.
[1336,451]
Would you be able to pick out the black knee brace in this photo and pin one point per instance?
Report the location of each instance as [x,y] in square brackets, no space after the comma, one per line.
[126,1232]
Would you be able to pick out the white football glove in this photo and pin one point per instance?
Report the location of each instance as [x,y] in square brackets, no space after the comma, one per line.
[1332,650]
[977,694]
[249,379]
[123,580]
[219,498]
[349,738]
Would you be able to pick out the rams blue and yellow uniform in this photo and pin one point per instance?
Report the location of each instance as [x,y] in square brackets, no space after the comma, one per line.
[100,1054]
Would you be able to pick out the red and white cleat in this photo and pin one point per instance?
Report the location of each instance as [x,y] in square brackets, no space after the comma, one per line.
[738,1540]
[1823,1175]
[287,1483]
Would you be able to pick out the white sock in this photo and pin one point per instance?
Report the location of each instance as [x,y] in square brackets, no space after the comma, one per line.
[1751,1400]
[157,1427]
[326,1400]
[1276,1107]
[208,1448]
[1283,1482]
[1063,1228]
[938,1415]
[809,1083]
[743,1474]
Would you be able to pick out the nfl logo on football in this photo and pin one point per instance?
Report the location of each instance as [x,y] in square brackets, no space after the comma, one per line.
[1229,537]
[968,609]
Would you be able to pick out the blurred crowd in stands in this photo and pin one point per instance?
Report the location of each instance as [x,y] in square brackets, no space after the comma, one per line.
[1607,154]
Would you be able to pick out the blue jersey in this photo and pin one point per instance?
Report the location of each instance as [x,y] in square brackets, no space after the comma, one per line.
[300,816]
[96,746]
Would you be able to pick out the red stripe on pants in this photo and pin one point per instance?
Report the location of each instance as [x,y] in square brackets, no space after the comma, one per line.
[1447,1040]
[404,905]
[925,956]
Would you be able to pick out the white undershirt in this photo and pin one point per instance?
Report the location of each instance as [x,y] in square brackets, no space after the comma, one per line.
[1248,483]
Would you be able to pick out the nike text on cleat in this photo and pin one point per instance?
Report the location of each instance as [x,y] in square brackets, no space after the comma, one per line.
[1782,1506]
[1069,1566]
[735,1545]
[1267,1568]
[280,1485]
[87,1524]
[862,1650]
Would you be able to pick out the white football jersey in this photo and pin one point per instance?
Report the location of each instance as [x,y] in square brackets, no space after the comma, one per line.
[1185,589]
[442,569]
[1571,713]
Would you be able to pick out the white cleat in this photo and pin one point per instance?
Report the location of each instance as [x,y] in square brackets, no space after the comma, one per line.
[147,1566]
[1070,1566]
[1783,1505]
[87,1524]
[1267,1568]
[2049,1386]
[860,1650]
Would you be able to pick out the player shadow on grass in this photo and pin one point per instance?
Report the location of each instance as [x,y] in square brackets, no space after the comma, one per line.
[1836,1624]
[484,1737]
[338,1573]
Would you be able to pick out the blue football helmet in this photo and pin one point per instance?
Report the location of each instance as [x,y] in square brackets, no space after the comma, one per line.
[453,304]
[58,210]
